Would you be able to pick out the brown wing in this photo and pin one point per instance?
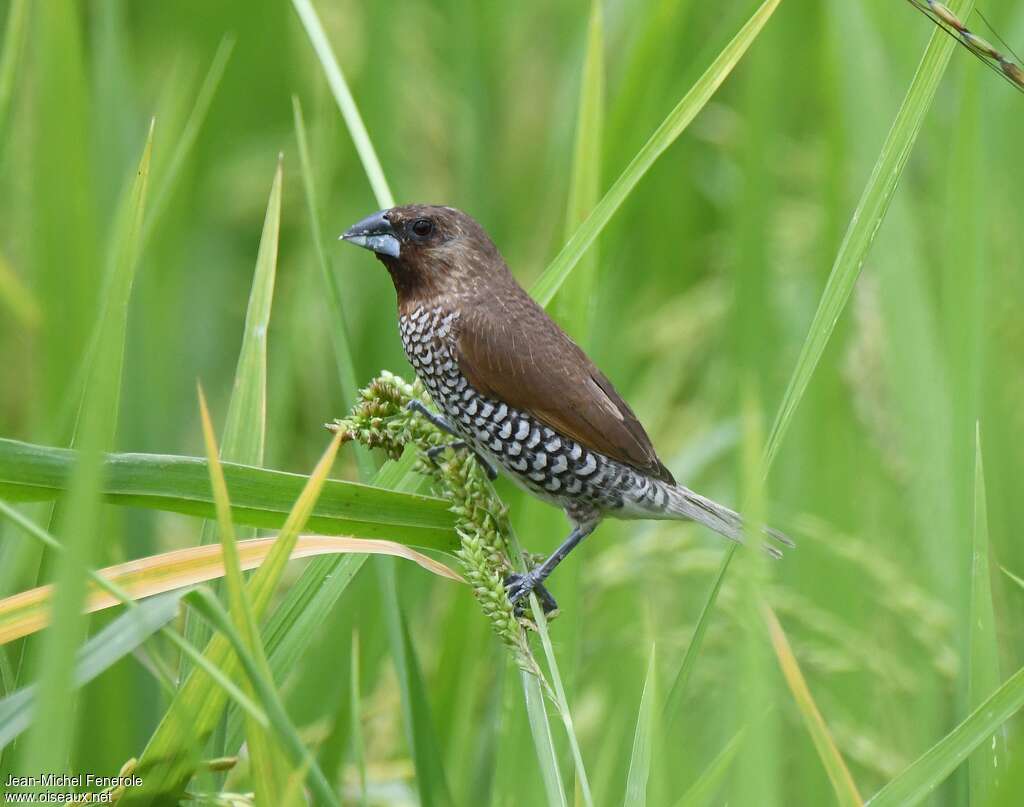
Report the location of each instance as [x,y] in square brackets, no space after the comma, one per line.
[511,350]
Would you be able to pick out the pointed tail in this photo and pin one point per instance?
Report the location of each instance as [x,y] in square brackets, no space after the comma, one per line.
[685,503]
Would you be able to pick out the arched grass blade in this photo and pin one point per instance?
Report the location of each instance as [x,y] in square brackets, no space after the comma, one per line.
[346,103]
[664,136]
[842,782]
[867,218]
[260,497]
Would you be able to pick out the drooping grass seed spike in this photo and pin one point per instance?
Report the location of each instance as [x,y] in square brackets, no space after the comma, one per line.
[996,60]
[511,384]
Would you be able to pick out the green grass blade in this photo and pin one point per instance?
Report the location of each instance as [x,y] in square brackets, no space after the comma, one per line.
[675,695]
[293,624]
[863,226]
[346,103]
[245,430]
[277,718]
[14,40]
[573,304]
[122,636]
[701,791]
[842,782]
[431,781]
[168,178]
[938,762]
[543,742]
[664,136]
[166,764]
[990,760]
[271,775]
[561,701]
[17,298]
[260,498]
[643,742]
[355,711]
[50,738]
[343,356]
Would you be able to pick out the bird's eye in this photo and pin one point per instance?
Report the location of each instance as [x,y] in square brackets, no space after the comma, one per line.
[423,227]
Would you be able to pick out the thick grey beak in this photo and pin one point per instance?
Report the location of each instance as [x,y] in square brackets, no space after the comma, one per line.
[374,233]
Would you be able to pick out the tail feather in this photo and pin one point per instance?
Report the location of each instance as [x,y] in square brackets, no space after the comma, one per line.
[688,504]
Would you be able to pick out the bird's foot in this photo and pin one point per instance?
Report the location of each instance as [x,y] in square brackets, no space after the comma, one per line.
[519,587]
[433,452]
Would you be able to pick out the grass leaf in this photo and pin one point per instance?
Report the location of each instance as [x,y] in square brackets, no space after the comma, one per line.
[701,791]
[989,761]
[277,718]
[271,774]
[842,782]
[574,303]
[121,637]
[863,226]
[346,103]
[260,498]
[664,136]
[643,742]
[166,765]
[938,762]
[543,741]
[49,740]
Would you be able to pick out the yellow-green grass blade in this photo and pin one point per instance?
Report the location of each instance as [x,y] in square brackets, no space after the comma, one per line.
[49,740]
[664,136]
[166,764]
[933,767]
[863,226]
[293,624]
[573,305]
[346,103]
[839,775]
[209,607]
[121,637]
[260,497]
[270,772]
[28,611]
[989,763]
[245,430]
[16,298]
[643,741]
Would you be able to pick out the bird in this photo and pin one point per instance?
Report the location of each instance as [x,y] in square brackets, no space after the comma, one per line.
[513,387]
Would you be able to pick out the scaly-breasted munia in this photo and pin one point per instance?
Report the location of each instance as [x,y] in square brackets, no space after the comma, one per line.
[516,389]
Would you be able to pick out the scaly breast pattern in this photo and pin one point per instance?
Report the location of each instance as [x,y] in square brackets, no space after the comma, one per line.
[549,465]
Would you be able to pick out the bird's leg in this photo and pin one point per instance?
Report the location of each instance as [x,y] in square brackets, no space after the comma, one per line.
[417,406]
[519,586]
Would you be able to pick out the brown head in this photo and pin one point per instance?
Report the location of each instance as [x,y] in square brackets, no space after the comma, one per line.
[431,252]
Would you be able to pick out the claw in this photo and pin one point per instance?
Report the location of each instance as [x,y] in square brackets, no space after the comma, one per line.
[519,587]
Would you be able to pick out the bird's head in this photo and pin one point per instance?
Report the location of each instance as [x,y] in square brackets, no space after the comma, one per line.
[430,251]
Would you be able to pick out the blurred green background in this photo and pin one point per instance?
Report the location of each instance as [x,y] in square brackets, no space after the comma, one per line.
[706,283]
